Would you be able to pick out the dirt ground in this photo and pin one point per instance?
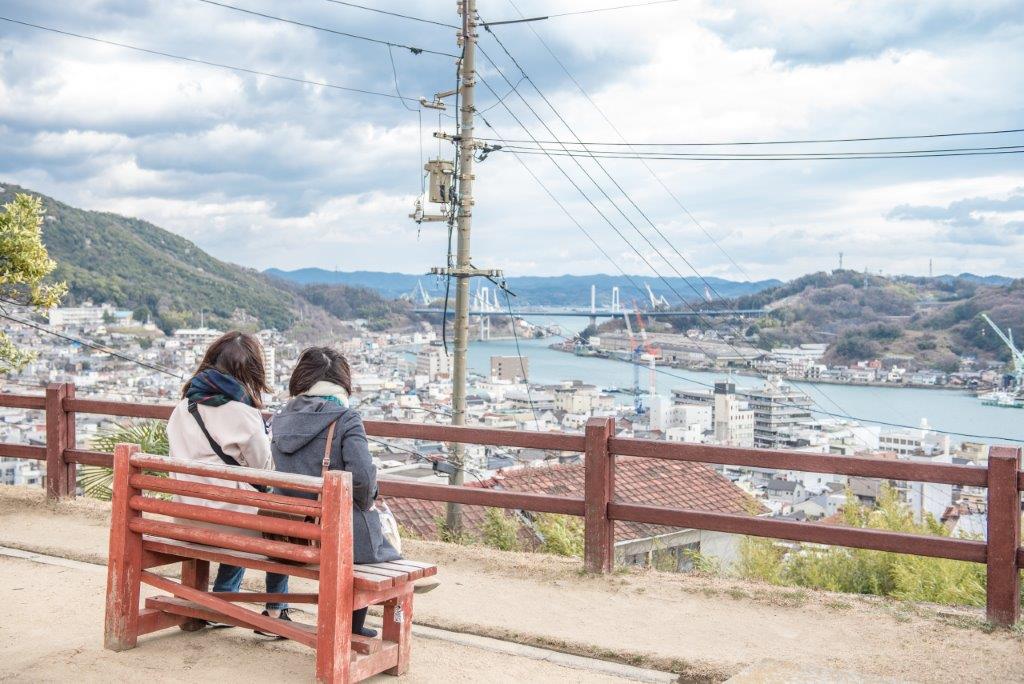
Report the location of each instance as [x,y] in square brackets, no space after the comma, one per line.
[707,629]
[39,647]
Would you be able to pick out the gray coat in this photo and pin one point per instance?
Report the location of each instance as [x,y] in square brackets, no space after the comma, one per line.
[299,435]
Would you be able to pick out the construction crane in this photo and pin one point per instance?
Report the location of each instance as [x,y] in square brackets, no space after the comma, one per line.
[657,301]
[639,352]
[418,294]
[1016,355]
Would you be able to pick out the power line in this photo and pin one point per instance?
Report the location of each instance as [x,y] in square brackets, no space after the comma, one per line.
[398,91]
[519,353]
[91,345]
[620,188]
[394,14]
[196,60]
[570,215]
[730,155]
[1017,149]
[411,48]
[780,142]
[578,12]
[605,194]
[617,132]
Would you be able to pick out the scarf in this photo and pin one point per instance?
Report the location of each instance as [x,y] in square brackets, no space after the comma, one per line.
[213,388]
[329,391]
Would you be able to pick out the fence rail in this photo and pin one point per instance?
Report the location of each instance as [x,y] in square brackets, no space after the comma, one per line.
[598,505]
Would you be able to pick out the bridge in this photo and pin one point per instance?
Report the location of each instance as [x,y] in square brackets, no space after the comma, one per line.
[598,313]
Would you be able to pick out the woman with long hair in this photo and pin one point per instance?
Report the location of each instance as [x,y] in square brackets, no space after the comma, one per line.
[320,387]
[219,421]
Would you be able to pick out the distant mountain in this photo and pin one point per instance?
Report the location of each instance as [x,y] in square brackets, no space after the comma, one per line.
[976,279]
[134,264]
[934,321]
[565,290]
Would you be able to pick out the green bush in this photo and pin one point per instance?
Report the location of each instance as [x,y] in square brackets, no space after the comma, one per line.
[912,578]
[561,535]
[501,530]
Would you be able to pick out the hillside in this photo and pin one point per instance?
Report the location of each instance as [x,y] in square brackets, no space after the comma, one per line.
[350,303]
[134,264]
[565,290]
[933,321]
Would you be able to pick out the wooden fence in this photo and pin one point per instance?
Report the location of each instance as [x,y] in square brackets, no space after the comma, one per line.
[598,505]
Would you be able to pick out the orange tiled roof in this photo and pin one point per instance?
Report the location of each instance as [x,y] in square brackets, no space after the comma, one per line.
[677,484]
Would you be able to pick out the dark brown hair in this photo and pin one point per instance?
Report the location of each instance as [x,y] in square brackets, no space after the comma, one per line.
[239,355]
[316,364]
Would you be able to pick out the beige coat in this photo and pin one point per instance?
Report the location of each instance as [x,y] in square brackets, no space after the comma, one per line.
[241,433]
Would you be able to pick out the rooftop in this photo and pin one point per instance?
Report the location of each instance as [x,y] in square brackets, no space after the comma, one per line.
[642,480]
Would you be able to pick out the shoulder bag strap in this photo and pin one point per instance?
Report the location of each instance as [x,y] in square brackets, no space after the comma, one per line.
[325,465]
[193,408]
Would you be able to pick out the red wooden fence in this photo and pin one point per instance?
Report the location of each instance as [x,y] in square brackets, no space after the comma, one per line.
[598,505]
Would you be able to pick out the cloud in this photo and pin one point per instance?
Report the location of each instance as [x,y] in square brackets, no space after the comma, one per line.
[974,220]
[270,173]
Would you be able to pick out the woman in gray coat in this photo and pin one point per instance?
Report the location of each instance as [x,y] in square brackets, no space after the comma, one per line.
[320,387]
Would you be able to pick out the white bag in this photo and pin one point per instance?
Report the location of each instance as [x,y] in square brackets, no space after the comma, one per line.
[389,525]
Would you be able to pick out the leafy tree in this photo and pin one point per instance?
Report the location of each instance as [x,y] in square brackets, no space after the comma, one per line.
[24,265]
[588,332]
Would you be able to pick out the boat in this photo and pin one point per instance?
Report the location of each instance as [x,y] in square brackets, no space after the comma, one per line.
[1002,400]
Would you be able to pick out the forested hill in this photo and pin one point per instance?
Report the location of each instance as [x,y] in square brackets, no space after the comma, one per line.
[134,264]
[934,320]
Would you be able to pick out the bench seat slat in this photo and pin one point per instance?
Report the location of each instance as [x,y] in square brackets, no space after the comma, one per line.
[410,573]
[363,581]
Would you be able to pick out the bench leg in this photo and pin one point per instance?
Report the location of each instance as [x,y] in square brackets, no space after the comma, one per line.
[196,574]
[398,628]
[124,564]
[334,609]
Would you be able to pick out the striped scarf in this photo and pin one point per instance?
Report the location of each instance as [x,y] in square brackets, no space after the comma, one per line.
[213,388]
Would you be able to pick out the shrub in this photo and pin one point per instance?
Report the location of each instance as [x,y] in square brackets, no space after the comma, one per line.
[561,535]
[501,530]
[913,578]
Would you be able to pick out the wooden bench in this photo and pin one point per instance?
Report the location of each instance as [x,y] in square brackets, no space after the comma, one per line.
[139,541]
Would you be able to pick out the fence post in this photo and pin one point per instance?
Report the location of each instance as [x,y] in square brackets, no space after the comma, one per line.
[598,489]
[1003,590]
[60,436]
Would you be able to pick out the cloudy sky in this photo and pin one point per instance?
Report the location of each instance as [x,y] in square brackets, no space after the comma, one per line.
[266,173]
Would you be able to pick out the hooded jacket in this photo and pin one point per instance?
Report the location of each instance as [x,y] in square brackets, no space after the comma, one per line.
[239,430]
[299,435]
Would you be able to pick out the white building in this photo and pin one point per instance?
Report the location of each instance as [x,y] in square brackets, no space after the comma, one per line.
[88,315]
[432,362]
[198,336]
[733,418]
[663,415]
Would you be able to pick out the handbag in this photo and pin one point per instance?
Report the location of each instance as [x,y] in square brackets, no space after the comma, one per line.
[325,465]
[389,525]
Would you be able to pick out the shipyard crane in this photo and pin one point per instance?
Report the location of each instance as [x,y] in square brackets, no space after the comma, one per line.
[657,301]
[640,351]
[1016,355]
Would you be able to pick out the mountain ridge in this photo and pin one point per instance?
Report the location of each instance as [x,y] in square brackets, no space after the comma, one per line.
[538,290]
[135,264]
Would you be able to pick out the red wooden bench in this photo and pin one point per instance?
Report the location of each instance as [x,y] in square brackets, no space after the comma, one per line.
[139,542]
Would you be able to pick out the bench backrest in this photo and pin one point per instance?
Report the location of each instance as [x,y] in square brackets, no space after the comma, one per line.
[135,473]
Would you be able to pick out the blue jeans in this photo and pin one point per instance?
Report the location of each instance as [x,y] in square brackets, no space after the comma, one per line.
[229,578]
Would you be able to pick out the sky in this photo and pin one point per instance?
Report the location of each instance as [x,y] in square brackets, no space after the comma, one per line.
[270,173]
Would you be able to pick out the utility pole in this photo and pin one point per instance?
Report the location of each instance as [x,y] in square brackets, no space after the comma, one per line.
[463,269]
